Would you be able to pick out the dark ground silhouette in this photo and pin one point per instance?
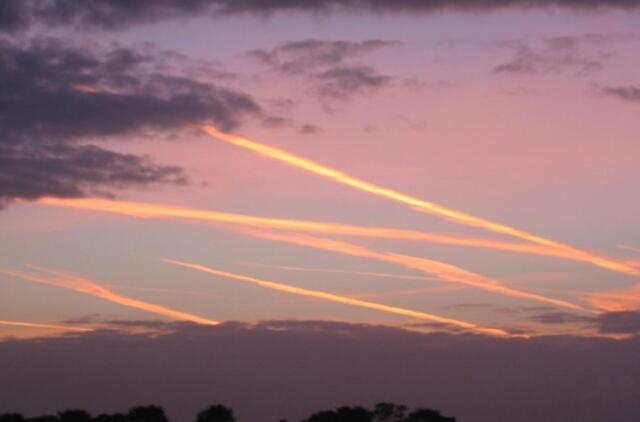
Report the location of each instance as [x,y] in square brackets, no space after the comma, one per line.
[382,412]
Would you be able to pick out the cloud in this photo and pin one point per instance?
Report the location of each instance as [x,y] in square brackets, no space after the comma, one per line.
[32,172]
[115,14]
[572,54]
[628,93]
[287,369]
[625,322]
[556,317]
[57,97]
[297,57]
[340,83]
[328,66]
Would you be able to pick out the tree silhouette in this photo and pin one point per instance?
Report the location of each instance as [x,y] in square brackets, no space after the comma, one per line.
[45,418]
[11,417]
[147,414]
[116,417]
[216,413]
[382,412]
[389,412]
[74,415]
[342,414]
[428,415]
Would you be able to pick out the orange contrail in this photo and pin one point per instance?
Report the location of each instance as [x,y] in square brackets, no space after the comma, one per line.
[139,209]
[333,271]
[411,292]
[342,299]
[150,210]
[47,326]
[424,206]
[78,284]
[442,271]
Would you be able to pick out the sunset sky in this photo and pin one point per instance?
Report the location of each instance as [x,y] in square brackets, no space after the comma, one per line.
[434,166]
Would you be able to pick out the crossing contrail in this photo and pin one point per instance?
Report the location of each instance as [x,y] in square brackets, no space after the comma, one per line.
[82,285]
[419,204]
[139,209]
[342,299]
[440,270]
[443,271]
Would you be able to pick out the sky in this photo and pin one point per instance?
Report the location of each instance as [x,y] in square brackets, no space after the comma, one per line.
[461,173]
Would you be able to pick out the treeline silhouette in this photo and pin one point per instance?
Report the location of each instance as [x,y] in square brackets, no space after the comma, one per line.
[382,412]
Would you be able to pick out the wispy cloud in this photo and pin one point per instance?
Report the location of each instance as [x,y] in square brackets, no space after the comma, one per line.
[574,55]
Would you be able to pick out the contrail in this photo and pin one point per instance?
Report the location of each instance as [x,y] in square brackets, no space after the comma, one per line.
[82,285]
[138,209]
[424,206]
[430,267]
[161,290]
[393,276]
[47,326]
[442,271]
[334,271]
[411,292]
[343,299]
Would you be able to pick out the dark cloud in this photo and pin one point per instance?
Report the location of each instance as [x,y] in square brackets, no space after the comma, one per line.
[309,129]
[556,317]
[629,93]
[328,66]
[342,82]
[114,14]
[300,57]
[559,54]
[29,172]
[624,322]
[56,97]
[279,122]
[286,369]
